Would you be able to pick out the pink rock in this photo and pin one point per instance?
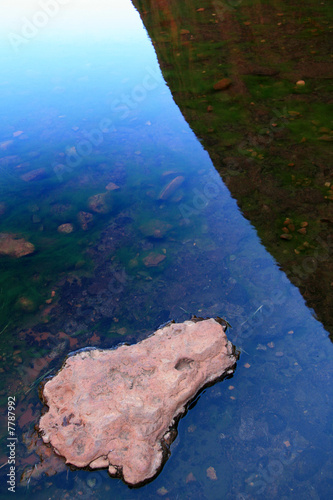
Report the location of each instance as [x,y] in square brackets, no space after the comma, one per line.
[118,408]
[112,186]
[66,228]
[12,245]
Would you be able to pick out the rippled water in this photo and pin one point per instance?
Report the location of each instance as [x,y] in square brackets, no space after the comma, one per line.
[83,105]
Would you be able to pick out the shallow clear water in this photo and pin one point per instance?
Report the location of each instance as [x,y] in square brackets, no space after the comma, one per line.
[84,100]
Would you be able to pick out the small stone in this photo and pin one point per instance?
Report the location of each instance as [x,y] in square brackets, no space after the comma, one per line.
[98,203]
[291,332]
[201,9]
[286,443]
[190,478]
[91,482]
[153,259]
[302,230]
[122,331]
[286,236]
[300,83]
[26,304]
[304,224]
[231,387]
[261,347]
[210,108]
[211,473]
[85,219]
[162,491]
[247,365]
[65,228]
[223,84]
[271,345]
[112,186]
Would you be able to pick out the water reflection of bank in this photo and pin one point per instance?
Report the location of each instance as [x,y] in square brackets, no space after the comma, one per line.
[268,136]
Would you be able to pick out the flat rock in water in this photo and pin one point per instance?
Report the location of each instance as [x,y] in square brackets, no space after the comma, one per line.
[12,245]
[117,408]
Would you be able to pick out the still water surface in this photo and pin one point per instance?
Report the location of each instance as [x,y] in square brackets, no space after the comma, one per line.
[83,105]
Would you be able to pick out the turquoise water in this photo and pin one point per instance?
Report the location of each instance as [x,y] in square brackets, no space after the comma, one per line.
[84,104]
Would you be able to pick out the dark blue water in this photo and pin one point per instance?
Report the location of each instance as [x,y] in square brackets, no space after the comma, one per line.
[84,104]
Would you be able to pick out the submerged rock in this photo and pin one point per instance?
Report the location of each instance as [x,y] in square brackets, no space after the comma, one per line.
[112,186]
[171,187]
[12,245]
[155,228]
[66,228]
[118,409]
[99,203]
[34,175]
[153,259]
[85,219]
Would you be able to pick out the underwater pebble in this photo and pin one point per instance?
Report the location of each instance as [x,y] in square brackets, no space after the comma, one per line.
[261,347]
[65,228]
[162,491]
[190,478]
[211,473]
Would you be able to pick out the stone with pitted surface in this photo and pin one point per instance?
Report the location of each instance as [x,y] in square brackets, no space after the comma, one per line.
[116,409]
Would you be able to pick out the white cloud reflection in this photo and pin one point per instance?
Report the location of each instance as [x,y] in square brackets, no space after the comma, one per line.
[70,19]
